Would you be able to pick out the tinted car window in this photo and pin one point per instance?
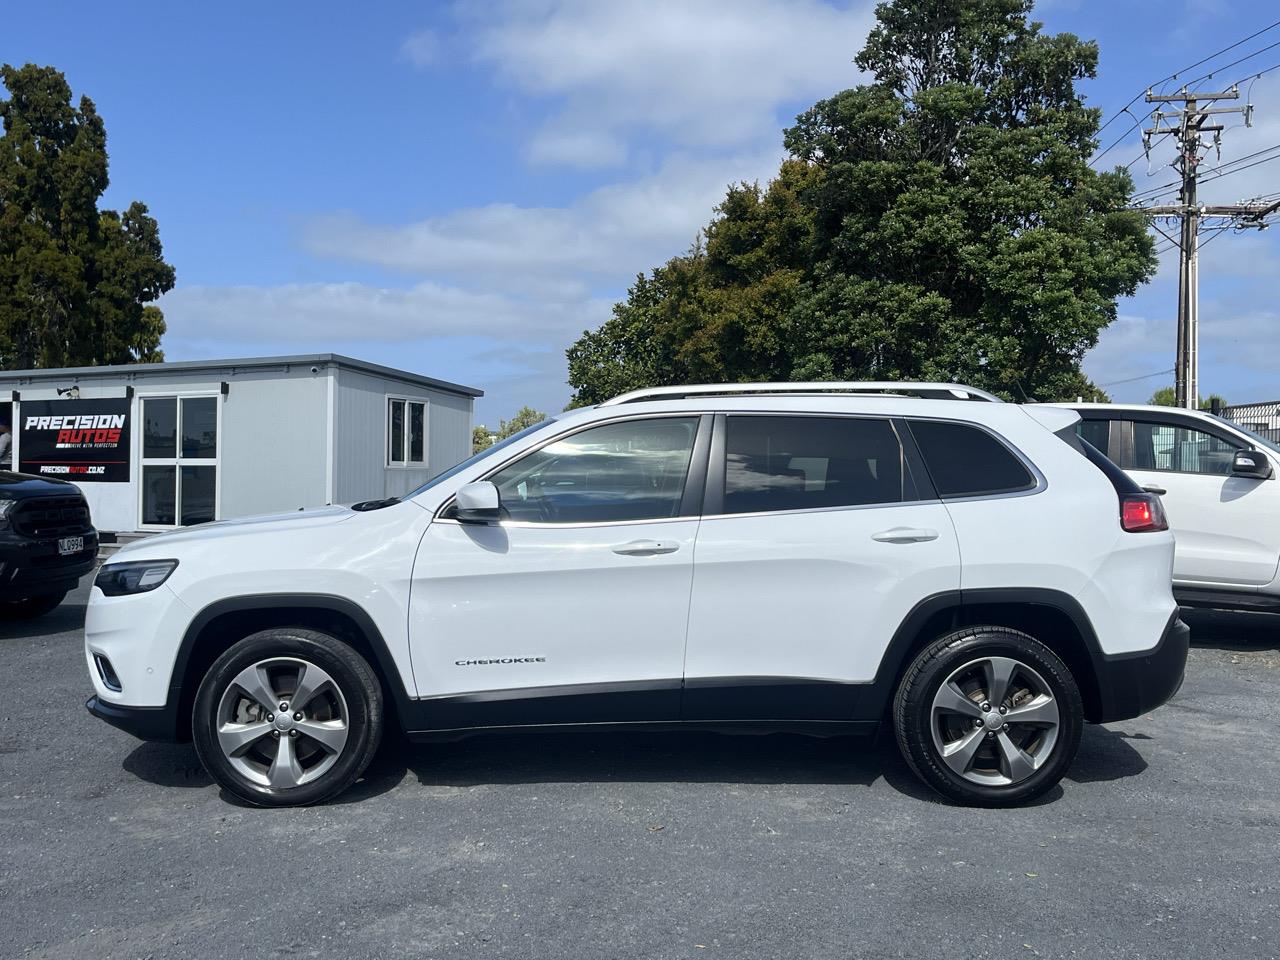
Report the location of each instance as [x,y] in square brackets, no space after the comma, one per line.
[1178,449]
[631,470]
[799,463]
[1096,432]
[965,461]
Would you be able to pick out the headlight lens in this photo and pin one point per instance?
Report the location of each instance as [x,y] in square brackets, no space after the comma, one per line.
[134,576]
[5,507]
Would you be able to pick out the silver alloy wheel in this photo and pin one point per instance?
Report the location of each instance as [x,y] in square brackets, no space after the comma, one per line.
[282,722]
[994,721]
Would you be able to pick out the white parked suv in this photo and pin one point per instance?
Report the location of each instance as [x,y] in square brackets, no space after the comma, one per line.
[1218,482]
[814,557]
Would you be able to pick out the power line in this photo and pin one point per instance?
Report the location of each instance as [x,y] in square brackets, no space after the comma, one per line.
[1145,376]
[1233,63]
[1174,76]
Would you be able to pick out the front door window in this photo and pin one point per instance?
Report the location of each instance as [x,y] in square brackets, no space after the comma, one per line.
[179,460]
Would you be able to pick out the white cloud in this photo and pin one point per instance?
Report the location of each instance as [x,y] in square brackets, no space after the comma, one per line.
[311,315]
[422,49]
[603,238]
[697,73]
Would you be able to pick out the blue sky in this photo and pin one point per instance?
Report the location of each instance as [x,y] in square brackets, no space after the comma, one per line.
[461,188]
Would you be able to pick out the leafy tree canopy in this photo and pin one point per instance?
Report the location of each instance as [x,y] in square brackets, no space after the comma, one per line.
[1168,397]
[76,282]
[482,438]
[940,222]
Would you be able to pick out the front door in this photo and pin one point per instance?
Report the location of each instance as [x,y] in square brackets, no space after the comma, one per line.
[815,544]
[575,606]
[1223,525]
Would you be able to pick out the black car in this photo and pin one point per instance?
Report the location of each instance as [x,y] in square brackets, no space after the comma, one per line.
[47,543]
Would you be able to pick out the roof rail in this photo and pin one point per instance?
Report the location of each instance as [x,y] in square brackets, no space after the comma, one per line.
[930,391]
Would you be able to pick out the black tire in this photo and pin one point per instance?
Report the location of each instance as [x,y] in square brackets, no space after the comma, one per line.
[914,717]
[28,608]
[354,688]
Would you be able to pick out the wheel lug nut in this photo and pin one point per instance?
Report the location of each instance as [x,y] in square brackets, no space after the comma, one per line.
[270,717]
[1006,726]
[1004,709]
[985,705]
[990,736]
[283,706]
[298,715]
[276,734]
[293,733]
[977,721]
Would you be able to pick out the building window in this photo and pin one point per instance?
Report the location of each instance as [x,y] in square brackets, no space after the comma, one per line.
[179,461]
[406,432]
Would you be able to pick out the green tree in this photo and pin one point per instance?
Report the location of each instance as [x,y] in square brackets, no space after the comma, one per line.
[940,222]
[482,438]
[1168,397]
[76,282]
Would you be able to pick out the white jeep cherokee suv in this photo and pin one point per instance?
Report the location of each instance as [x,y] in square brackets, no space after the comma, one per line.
[813,557]
[1219,484]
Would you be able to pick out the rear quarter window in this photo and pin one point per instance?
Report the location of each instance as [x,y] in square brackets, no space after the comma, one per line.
[966,461]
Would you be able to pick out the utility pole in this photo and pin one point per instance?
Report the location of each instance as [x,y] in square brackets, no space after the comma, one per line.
[1190,123]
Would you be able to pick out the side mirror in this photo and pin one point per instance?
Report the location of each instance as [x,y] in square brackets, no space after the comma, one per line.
[1252,464]
[478,502]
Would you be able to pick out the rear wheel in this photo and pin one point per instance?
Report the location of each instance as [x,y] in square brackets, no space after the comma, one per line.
[988,716]
[28,608]
[288,717]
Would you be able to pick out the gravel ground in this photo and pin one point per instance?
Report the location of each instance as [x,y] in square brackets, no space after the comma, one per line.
[1161,842]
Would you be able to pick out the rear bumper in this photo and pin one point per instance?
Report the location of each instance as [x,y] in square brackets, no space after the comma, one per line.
[1132,684]
[145,723]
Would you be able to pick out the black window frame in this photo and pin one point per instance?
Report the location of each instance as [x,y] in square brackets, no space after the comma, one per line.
[913,469]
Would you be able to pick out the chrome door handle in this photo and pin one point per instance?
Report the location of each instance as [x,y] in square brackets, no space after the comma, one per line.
[905,535]
[646,548]
[1152,488]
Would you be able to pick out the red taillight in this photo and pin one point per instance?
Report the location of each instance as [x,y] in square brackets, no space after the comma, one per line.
[1141,514]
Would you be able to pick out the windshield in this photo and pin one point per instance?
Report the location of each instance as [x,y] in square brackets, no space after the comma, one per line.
[1269,444]
[476,458]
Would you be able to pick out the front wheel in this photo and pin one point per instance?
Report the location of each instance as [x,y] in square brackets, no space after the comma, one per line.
[988,716]
[287,717]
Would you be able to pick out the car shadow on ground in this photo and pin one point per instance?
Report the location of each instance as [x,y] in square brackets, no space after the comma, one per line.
[67,618]
[1222,630]
[540,757]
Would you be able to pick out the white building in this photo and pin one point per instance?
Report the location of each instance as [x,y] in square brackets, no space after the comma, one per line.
[159,445]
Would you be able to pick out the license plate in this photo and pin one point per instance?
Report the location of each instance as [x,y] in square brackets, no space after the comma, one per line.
[70,545]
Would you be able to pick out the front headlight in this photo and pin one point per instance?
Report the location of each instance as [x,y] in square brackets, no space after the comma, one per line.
[134,576]
[5,507]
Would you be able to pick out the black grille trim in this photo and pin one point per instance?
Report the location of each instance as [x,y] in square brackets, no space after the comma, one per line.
[42,517]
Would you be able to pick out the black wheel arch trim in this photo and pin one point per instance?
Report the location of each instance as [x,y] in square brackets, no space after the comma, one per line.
[385,665]
[1114,673]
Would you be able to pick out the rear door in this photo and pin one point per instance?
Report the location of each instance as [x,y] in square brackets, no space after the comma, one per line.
[1224,526]
[817,539]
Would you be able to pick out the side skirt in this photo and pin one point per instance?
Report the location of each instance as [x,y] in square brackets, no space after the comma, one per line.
[810,728]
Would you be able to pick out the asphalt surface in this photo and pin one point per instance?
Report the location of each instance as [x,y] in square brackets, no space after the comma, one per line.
[1161,842]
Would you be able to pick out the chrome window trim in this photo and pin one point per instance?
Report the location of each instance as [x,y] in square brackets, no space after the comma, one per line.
[1041,482]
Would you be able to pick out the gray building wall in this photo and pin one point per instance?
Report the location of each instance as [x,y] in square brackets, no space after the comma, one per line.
[274,442]
[288,437]
[360,470]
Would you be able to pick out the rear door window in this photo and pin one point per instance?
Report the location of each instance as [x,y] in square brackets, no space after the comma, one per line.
[966,461]
[802,463]
[1096,432]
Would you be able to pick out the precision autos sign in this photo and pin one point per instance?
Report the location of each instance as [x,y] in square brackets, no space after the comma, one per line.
[82,440]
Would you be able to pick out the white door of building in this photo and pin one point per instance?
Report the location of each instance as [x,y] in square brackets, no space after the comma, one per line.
[178,447]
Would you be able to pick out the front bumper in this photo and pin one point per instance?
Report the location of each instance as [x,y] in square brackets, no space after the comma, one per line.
[1132,684]
[30,567]
[145,723]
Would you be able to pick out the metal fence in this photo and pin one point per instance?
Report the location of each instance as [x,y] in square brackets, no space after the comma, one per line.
[1262,418]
